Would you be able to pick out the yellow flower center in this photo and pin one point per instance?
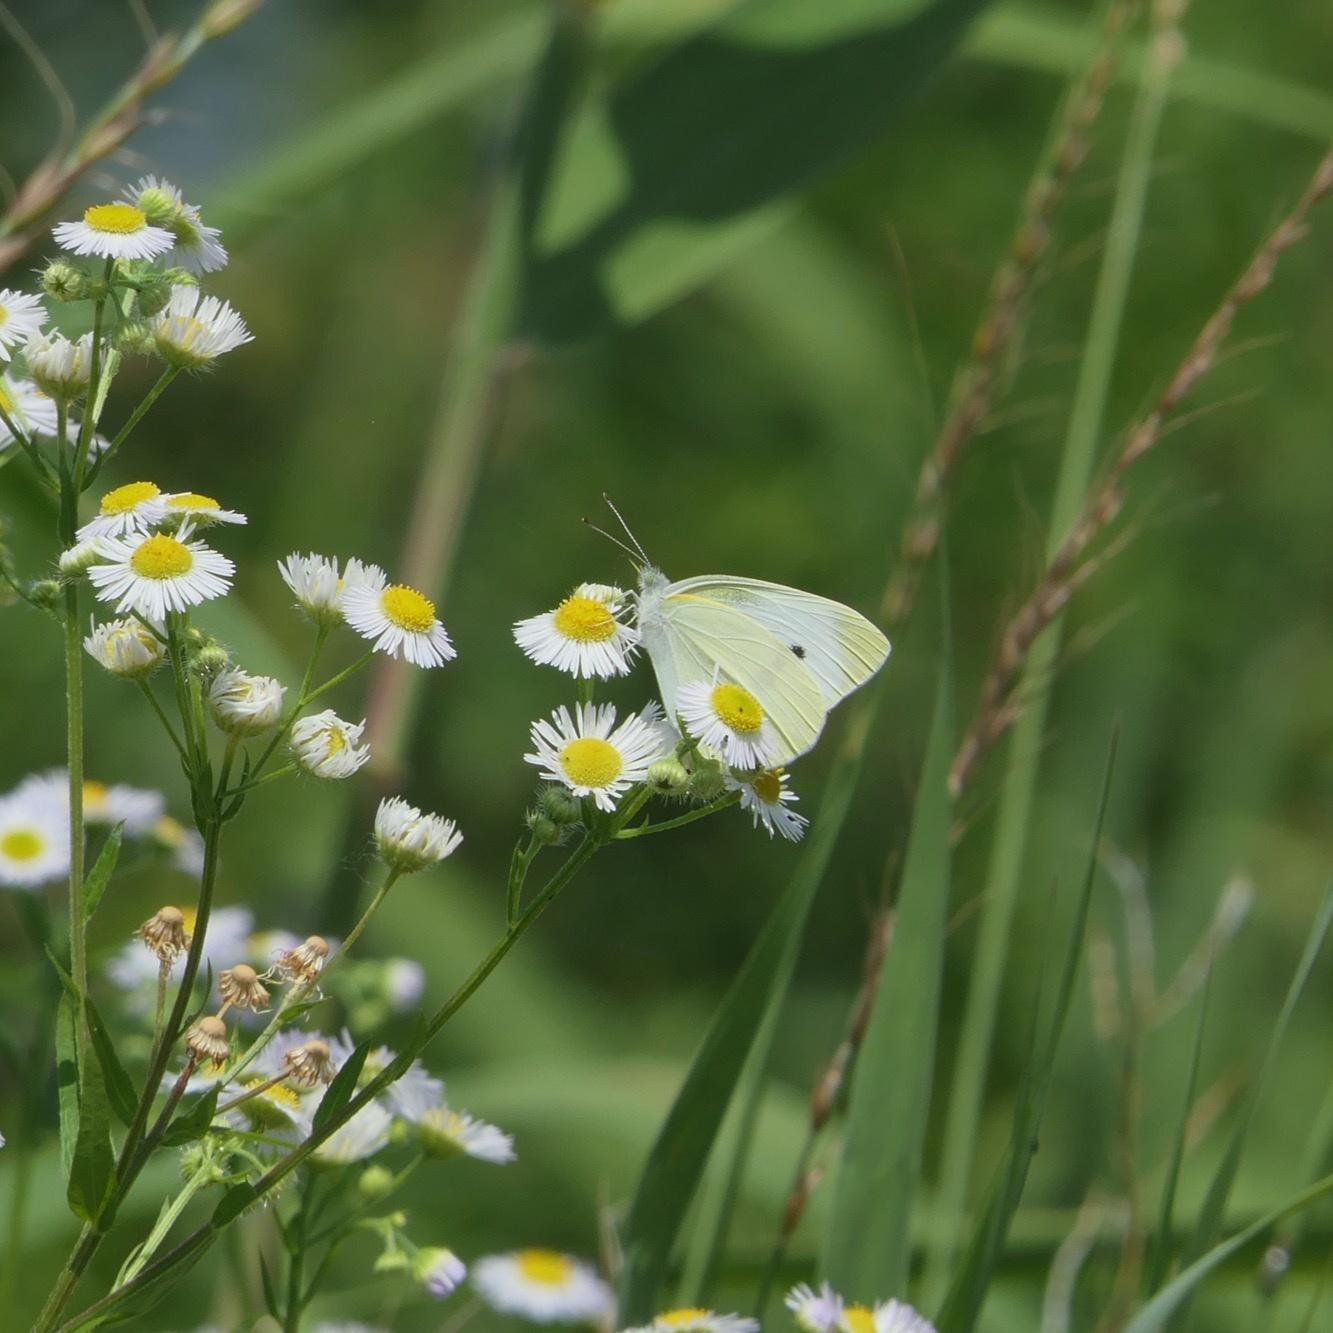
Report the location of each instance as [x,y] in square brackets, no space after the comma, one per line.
[684,1318]
[124,498]
[189,916]
[119,219]
[269,1116]
[859,1319]
[407,608]
[334,740]
[22,844]
[737,708]
[193,501]
[162,557]
[94,796]
[591,762]
[768,786]
[4,313]
[585,620]
[545,1267]
[169,831]
[7,400]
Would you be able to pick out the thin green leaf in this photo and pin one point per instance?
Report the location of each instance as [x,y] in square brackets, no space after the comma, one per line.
[340,1091]
[232,1204]
[100,875]
[1159,1255]
[867,1243]
[1219,1191]
[67,1079]
[119,1087]
[1174,1296]
[92,1172]
[193,1123]
[974,1274]
[270,1293]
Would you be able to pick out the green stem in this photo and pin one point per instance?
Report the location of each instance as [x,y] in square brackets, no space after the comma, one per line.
[518,872]
[291,1322]
[95,392]
[1004,875]
[357,930]
[643,830]
[169,1218]
[164,719]
[135,417]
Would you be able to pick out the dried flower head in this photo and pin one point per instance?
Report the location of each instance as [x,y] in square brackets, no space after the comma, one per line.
[311,1064]
[207,1041]
[305,961]
[164,933]
[241,988]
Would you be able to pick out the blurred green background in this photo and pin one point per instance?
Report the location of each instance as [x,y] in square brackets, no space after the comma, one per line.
[768,419]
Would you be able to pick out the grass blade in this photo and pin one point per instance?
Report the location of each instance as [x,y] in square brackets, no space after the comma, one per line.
[866,1242]
[968,1292]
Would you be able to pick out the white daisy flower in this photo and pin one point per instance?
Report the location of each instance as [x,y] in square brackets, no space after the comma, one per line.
[416,1094]
[197,248]
[135,507]
[126,648]
[27,407]
[727,721]
[695,1319]
[193,330]
[815,1311]
[884,1317]
[200,511]
[446,1133]
[544,1286]
[136,808]
[398,620]
[404,983]
[156,574]
[184,844]
[583,635]
[245,705]
[114,231]
[438,1270]
[319,586]
[592,756]
[21,316]
[365,1134]
[34,838]
[278,1111]
[59,368]
[766,795]
[409,840]
[327,747]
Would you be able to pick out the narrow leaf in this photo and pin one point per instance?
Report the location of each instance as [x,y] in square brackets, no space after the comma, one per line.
[232,1204]
[119,1087]
[972,1280]
[866,1243]
[103,868]
[193,1123]
[270,1294]
[340,1091]
[67,1080]
[92,1172]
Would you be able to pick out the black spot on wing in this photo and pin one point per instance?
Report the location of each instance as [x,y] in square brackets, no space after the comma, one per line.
[798,650]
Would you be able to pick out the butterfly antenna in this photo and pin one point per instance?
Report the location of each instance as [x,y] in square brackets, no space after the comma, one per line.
[633,554]
[620,518]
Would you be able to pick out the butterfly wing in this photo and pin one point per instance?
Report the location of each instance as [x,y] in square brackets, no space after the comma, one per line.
[838,646]
[695,635]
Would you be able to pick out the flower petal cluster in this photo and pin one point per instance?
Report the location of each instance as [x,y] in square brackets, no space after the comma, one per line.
[588,753]
[326,746]
[584,635]
[409,839]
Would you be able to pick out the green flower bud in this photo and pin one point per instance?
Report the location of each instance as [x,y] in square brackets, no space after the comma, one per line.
[45,593]
[545,831]
[211,658]
[154,295]
[668,776]
[157,205]
[559,806]
[706,783]
[136,339]
[63,281]
[375,1182]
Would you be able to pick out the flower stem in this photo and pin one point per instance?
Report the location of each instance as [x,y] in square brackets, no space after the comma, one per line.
[135,417]
[357,930]
[642,830]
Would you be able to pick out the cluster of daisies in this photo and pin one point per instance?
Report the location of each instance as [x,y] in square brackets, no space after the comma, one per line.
[823,1310]
[731,744]
[34,827]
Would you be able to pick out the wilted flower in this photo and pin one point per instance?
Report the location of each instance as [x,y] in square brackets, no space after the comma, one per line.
[164,934]
[207,1041]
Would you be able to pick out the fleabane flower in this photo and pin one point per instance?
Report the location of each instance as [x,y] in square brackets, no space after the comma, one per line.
[814,1311]
[200,511]
[276,1111]
[34,838]
[695,1319]
[113,231]
[59,368]
[438,1270]
[21,316]
[544,1286]
[398,620]
[27,407]
[197,248]
[883,1317]
[194,330]
[136,808]
[409,839]
[126,648]
[766,794]
[365,1134]
[157,574]
[446,1133]
[727,721]
[318,585]
[592,756]
[138,506]
[583,635]
[245,705]
[328,747]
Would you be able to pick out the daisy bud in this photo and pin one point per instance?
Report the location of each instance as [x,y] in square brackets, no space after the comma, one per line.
[409,840]
[708,781]
[311,1064]
[438,1270]
[80,558]
[559,806]
[45,593]
[241,988]
[62,281]
[669,776]
[157,203]
[207,1041]
[211,659]
[135,338]
[191,332]
[125,648]
[326,746]
[245,705]
[304,962]
[164,934]
[375,1183]
[545,831]
[59,368]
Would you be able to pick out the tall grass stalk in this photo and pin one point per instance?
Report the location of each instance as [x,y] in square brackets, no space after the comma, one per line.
[1019,784]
